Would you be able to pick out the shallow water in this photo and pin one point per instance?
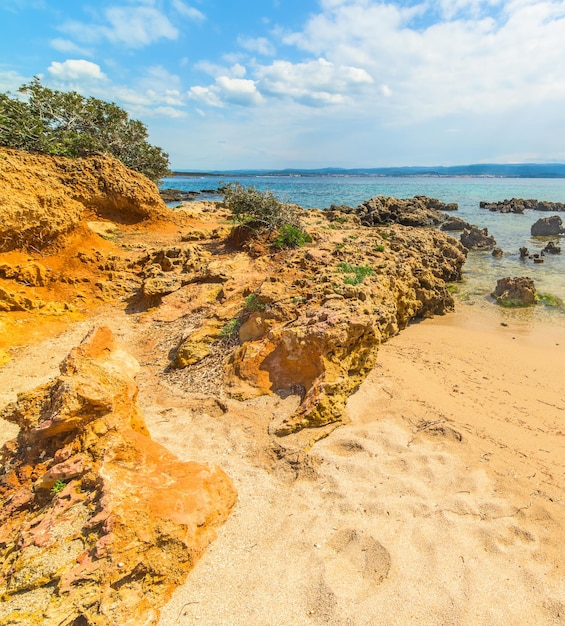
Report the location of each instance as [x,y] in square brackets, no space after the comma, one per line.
[481,270]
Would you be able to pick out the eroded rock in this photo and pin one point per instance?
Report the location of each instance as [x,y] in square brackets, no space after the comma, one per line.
[98,522]
[518,291]
[418,211]
[548,227]
[475,238]
[43,198]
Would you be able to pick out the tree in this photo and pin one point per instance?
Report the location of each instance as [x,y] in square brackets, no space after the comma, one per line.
[68,124]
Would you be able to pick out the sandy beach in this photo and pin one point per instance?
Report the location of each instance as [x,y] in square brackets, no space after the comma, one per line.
[442,502]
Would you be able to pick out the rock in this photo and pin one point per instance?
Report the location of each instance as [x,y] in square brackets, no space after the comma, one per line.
[519,291]
[519,205]
[455,223]
[497,253]
[548,227]
[44,198]
[32,273]
[419,211]
[524,253]
[320,334]
[197,346]
[177,195]
[161,285]
[477,239]
[98,523]
[552,248]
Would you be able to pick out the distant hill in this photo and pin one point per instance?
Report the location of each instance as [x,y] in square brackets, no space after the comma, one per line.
[496,170]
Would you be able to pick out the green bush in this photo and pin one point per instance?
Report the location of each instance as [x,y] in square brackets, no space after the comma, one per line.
[262,208]
[58,487]
[230,329]
[68,124]
[355,274]
[252,303]
[291,237]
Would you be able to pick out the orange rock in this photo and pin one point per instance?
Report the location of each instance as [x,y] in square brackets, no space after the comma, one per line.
[98,521]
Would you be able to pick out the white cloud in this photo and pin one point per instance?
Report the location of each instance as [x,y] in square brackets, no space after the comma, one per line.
[133,27]
[261,45]
[67,46]
[76,70]
[314,83]
[188,11]
[238,91]
[495,56]
[227,90]
[234,71]
[11,81]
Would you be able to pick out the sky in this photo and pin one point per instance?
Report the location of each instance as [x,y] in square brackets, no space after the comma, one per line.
[270,84]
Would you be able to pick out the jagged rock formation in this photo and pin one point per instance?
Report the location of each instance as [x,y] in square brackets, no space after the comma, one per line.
[454,223]
[474,238]
[418,211]
[305,320]
[519,205]
[548,227]
[518,291]
[44,198]
[98,523]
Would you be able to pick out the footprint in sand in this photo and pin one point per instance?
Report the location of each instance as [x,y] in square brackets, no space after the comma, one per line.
[347,447]
[355,563]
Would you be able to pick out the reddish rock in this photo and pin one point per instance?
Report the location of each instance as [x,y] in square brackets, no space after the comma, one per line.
[98,522]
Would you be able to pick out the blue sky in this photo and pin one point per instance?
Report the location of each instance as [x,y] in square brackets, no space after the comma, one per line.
[309,83]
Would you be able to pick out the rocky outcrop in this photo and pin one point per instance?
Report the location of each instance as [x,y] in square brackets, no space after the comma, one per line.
[454,223]
[519,205]
[43,198]
[307,320]
[519,291]
[418,211]
[474,238]
[177,195]
[552,248]
[548,227]
[98,523]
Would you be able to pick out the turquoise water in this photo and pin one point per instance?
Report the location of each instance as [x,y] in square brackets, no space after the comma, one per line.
[481,270]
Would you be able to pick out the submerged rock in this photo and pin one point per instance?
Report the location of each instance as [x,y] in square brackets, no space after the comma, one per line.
[475,238]
[519,205]
[518,291]
[552,248]
[548,227]
[98,523]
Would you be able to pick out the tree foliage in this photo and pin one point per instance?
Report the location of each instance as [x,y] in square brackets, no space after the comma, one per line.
[68,124]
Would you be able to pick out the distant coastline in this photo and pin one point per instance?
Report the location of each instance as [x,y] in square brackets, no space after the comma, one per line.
[485,170]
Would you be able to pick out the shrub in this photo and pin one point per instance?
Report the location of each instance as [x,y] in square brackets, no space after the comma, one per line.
[58,487]
[252,303]
[291,237]
[262,208]
[356,274]
[230,329]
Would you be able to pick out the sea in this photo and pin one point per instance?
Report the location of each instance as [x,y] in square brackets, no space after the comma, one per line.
[481,270]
